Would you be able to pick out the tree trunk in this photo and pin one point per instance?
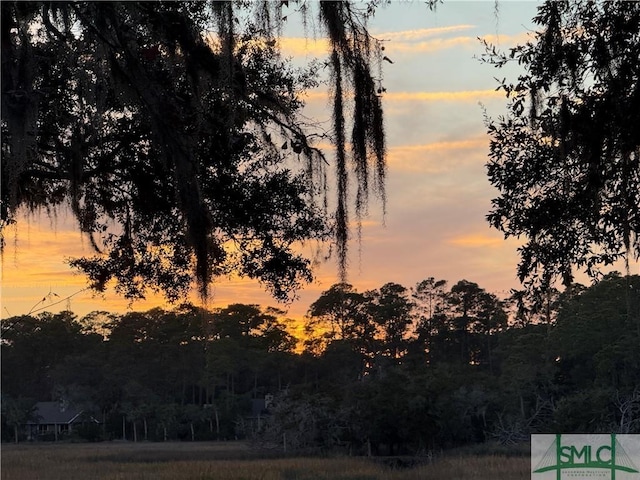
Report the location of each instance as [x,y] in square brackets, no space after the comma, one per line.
[215,410]
[548,311]
[135,431]
[489,352]
[15,432]
[193,433]
[146,431]
[255,384]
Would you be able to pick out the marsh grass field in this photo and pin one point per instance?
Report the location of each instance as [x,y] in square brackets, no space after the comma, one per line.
[232,461]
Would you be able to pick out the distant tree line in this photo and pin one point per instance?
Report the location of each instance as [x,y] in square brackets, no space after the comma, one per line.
[387,371]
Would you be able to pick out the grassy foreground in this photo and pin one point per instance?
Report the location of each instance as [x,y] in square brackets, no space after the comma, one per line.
[228,461]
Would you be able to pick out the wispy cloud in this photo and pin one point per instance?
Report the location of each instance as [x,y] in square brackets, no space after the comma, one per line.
[419,34]
[476,142]
[438,44]
[477,240]
[301,46]
[296,46]
[406,42]
[436,157]
[453,96]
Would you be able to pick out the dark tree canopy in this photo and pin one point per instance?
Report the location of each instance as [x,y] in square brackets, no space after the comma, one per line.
[566,157]
[174,130]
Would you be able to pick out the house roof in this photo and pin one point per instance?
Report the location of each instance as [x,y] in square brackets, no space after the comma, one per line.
[54,413]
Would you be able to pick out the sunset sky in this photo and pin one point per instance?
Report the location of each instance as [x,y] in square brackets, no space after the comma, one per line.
[438,193]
